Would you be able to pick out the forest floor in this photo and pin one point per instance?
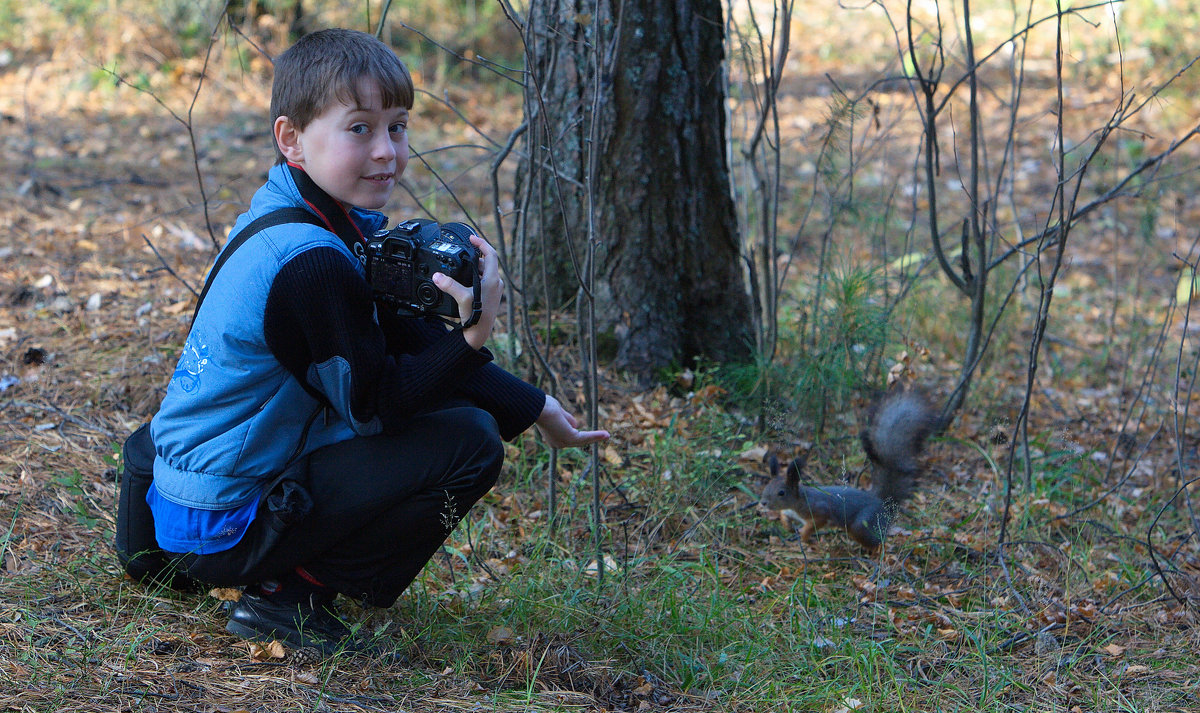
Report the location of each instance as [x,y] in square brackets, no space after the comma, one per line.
[1090,605]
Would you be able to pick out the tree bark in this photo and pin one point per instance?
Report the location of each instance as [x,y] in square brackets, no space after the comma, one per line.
[627,148]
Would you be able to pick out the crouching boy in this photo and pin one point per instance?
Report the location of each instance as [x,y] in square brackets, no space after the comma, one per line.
[310,442]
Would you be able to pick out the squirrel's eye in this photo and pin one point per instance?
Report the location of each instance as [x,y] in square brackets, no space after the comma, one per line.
[782,492]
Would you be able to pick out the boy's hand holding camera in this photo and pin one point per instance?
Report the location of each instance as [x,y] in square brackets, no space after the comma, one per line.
[558,427]
[491,287]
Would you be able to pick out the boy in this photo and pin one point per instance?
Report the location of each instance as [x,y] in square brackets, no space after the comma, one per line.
[310,443]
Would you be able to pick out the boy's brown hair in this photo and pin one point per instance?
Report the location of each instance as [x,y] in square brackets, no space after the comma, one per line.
[325,66]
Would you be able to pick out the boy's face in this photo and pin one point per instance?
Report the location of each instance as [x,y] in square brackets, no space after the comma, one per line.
[355,153]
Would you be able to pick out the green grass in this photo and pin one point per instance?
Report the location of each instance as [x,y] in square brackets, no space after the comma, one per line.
[705,604]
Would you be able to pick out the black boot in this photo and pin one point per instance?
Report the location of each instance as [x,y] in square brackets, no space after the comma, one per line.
[311,622]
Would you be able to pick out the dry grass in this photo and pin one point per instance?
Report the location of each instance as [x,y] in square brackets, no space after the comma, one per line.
[709,607]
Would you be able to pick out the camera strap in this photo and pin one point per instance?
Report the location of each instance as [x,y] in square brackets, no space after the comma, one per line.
[259,224]
[476,302]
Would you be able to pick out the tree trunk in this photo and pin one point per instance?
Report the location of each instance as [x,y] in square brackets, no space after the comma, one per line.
[636,161]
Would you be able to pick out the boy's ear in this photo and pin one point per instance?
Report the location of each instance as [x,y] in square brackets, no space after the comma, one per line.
[287,138]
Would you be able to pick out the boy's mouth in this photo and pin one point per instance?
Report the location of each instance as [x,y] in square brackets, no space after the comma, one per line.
[380,177]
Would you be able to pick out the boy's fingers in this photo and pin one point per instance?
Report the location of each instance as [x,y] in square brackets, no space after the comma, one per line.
[484,246]
[593,436]
[452,287]
[491,258]
[578,439]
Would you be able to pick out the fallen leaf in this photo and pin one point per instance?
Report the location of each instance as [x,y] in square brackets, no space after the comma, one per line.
[906,261]
[272,650]
[177,307]
[707,394]
[225,594]
[753,455]
[848,705]
[863,584]
[593,570]
[1186,286]
[501,635]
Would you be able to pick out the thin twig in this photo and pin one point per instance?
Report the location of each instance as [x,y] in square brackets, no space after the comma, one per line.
[63,414]
[167,267]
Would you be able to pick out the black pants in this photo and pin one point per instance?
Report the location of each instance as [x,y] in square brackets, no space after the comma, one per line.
[365,515]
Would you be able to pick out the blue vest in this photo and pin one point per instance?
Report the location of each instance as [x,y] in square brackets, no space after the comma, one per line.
[233,417]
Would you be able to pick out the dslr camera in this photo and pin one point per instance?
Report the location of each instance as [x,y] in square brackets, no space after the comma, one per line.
[401,262]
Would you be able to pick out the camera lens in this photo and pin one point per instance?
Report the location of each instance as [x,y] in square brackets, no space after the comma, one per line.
[428,294]
[458,230]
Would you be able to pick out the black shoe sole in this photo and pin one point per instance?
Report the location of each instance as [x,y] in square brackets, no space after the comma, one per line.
[252,634]
[325,647]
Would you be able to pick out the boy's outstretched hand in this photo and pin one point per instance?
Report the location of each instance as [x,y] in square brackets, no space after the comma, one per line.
[561,430]
[557,426]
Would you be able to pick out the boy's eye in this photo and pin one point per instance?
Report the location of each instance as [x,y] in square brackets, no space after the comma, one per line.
[397,128]
[359,129]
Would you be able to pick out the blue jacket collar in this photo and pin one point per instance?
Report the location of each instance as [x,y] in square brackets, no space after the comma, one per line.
[352,225]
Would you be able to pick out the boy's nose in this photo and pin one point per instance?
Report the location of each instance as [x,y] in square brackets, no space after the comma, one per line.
[384,149]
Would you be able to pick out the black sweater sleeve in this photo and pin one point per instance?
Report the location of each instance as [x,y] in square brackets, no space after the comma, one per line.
[320,324]
[513,402]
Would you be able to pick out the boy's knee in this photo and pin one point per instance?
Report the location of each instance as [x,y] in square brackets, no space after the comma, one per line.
[480,435]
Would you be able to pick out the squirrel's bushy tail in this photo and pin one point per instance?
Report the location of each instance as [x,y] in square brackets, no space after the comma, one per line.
[897,426]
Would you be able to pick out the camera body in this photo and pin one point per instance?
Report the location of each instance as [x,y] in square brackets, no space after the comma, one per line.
[401,262]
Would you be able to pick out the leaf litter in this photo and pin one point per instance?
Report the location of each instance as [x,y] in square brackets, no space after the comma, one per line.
[91,318]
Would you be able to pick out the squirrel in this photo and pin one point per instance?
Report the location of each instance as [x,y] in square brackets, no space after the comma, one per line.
[897,426]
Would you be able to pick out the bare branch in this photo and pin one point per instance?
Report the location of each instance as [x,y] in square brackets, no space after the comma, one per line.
[167,267]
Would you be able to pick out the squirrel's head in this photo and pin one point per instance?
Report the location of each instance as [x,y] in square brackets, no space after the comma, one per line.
[782,488]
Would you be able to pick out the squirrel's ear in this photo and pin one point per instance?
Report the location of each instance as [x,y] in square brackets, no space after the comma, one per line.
[772,463]
[794,468]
